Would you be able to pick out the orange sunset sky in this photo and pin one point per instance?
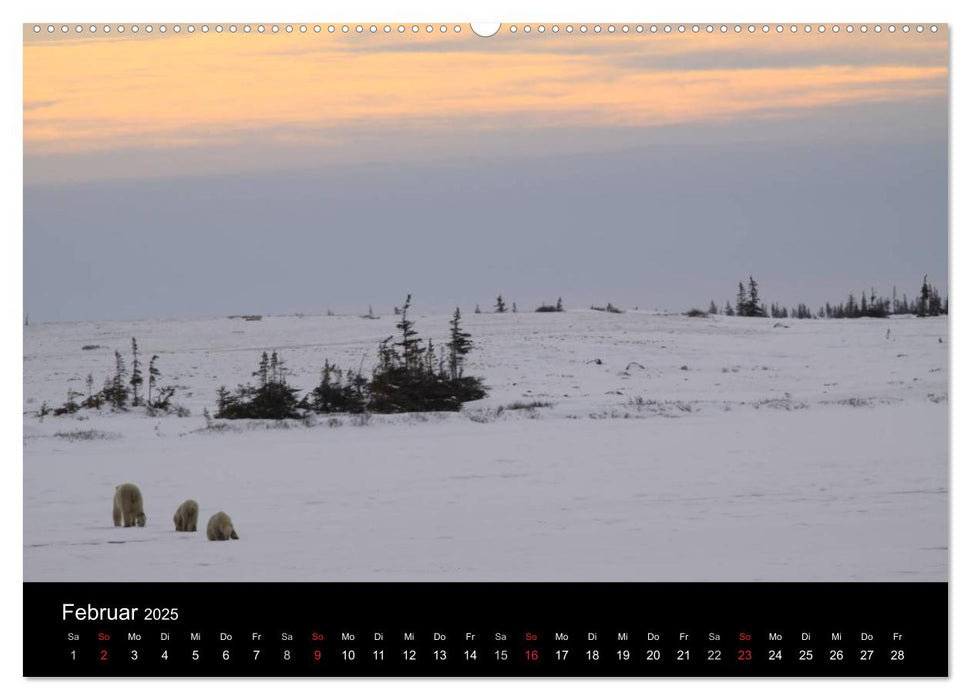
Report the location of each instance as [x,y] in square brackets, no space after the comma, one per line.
[88,96]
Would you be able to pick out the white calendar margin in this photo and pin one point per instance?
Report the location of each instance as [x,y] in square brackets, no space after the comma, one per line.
[11,301]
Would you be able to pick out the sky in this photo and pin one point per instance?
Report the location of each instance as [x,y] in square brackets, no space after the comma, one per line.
[208,174]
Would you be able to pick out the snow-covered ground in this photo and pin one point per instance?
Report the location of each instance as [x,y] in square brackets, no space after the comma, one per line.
[674,448]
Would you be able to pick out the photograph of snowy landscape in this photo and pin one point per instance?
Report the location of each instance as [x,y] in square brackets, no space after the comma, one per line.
[409,304]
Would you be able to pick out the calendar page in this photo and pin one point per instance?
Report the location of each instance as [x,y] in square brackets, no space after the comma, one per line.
[437,349]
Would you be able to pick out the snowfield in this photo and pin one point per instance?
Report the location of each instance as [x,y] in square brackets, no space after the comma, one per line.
[669,449]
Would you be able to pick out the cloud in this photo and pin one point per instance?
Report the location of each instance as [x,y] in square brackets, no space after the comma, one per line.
[39,104]
[101,95]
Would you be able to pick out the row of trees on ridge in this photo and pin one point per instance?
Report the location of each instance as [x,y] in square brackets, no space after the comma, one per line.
[928,302]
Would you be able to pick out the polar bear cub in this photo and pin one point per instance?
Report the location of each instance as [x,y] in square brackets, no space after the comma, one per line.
[186,517]
[220,527]
[128,508]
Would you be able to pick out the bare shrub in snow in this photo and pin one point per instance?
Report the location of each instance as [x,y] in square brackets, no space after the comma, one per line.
[527,405]
[76,435]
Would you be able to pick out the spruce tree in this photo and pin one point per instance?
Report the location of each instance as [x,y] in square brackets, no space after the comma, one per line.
[430,359]
[934,305]
[925,295]
[754,307]
[94,400]
[264,370]
[136,374]
[223,400]
[712,309]
[410,342]
[741,301]
[459,345]
[275,368]
[118,383]
[153,375]
[500,305]
[115,391]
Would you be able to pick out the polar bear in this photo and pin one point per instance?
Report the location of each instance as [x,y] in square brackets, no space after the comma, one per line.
[186,517]
[220,527]
[128,508]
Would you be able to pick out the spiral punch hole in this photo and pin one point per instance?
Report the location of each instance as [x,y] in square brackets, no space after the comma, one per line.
[486,29]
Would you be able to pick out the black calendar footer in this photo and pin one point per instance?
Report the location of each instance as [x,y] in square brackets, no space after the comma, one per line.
[487,629]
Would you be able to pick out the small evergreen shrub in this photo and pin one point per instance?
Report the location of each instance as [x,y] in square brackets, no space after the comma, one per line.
[610,308]
[411,376]
[339,392]
[550,308]
[272,398]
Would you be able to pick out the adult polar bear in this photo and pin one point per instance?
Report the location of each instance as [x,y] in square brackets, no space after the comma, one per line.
[186,517]
[128,508]
[220,528]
